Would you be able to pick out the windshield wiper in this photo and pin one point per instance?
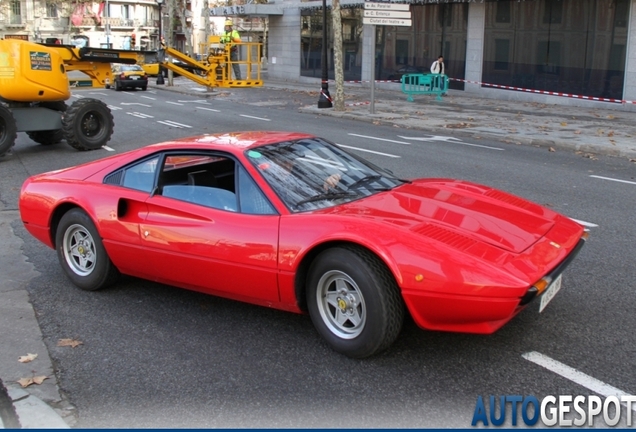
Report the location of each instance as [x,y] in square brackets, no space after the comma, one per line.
[365,179]
[325,196]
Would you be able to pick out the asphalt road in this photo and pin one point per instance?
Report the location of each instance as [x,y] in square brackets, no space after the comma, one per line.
[156,356]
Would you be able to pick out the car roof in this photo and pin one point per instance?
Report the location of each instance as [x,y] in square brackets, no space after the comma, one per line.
[234,142]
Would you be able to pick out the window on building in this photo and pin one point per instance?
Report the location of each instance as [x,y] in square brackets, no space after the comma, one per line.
[445,15]
[502,54]
[503,12]
[51,10]
[16,12]
[622,13]
[553,12]
[125,11]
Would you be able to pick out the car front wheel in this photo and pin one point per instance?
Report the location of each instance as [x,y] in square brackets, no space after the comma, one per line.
[354,301]
[81,252]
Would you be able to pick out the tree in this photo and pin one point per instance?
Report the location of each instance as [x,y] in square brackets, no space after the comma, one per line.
[336,20]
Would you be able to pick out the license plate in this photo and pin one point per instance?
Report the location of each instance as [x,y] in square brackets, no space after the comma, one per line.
[549,293]
[134,77]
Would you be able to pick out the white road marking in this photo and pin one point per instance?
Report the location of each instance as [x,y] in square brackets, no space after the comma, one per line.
[574,375]
[200,101]
[140,115]
[256,118]
[77,96]
[99,93]
[128,93]
[585,224]
[207,109]
[174,103]
[135,103]
[369,151]
[108,148]
[113,107]
[379,139]
[173,124]
[451,140]
[613,179]
[148,97]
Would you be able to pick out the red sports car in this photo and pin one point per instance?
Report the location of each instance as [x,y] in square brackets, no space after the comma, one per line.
[293,222]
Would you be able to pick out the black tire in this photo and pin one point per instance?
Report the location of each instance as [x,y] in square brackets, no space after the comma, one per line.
[117,86]
[81,252]
[354,301]
[88,124]
[49,137]
[8,130]
[144,88]
[9,417]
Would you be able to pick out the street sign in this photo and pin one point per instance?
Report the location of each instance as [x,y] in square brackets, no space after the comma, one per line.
[386,14]
[386,6]
[387,21]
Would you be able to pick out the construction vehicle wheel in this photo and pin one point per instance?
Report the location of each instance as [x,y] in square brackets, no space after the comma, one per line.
[8,130]
[88,124]
[49,137]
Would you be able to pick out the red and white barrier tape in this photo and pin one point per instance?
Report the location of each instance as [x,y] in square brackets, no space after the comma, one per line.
[551,93]
[358,103]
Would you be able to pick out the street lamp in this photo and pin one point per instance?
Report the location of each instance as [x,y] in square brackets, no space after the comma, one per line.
[325,100]
[160,80]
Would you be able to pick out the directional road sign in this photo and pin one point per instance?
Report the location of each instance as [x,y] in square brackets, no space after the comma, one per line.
[386,6]
[386,14]
[387,21]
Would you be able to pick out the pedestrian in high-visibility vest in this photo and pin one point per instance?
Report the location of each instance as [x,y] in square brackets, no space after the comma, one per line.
[229,37]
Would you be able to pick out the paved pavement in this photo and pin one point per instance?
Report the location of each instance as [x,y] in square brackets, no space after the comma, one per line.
[597,128]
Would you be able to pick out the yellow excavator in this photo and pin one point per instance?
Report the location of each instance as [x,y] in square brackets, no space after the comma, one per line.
[34,87]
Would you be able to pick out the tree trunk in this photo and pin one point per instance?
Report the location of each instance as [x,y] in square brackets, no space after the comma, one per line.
[169,32]
[338,101]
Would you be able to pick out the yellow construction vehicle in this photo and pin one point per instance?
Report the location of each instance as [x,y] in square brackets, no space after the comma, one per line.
[215,67]
[34,86]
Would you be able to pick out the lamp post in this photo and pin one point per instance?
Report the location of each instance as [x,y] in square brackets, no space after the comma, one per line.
[160,80]
[107,26]
[325,99]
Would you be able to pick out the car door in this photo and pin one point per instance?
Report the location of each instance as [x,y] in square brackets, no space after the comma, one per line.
[197,236]
[122,212]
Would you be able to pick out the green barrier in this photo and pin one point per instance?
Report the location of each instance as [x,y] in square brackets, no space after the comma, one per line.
[424,84]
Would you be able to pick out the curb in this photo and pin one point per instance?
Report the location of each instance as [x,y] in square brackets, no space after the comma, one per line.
[35,413]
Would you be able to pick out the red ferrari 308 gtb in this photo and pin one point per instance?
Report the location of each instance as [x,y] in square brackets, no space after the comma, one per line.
[291,221]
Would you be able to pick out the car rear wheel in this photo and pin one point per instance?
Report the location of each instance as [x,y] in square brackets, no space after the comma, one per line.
[81,252]
[354,301]
[88,124]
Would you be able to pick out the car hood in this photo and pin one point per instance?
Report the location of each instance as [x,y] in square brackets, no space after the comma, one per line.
[457,213]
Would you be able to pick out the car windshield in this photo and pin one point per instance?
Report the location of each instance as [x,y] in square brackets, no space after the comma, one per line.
[312,173]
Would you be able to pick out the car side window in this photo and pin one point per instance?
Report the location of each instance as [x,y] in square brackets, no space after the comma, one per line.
[252,199]
[142,175]
[200,178]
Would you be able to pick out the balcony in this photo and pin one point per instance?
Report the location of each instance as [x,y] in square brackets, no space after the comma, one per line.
[119,22]
[147,23]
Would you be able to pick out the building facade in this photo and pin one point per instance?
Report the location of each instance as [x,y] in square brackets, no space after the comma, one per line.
[585,48]
[492,48]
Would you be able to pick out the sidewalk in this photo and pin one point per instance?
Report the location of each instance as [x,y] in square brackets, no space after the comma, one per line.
[21,336]
[598,128]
